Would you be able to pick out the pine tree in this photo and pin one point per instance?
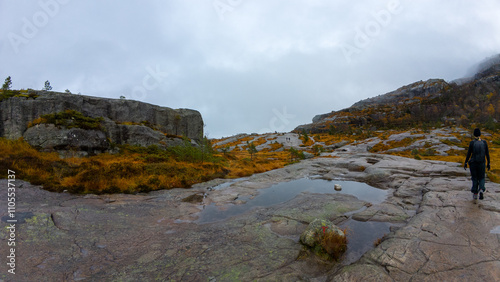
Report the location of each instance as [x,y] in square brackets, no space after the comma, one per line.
[47,86]
[7,84]
[251,149]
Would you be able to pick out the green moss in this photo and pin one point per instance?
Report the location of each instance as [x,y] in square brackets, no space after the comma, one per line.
[72,119]
[41,228]
[6,94]
[233,274]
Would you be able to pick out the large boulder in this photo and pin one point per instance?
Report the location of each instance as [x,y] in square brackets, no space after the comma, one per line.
[49,137]
[325,239]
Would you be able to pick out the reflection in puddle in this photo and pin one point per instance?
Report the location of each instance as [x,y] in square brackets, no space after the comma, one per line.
[285,191]
[495,230]
[362,236]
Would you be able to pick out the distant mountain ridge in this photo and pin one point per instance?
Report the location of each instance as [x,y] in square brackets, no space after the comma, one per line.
[461,102]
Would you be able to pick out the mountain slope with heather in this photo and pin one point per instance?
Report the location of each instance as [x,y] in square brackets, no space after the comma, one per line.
[435,102]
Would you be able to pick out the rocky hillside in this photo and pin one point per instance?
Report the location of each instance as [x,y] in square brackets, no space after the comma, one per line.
[435,102]
[61,121]
[421,89]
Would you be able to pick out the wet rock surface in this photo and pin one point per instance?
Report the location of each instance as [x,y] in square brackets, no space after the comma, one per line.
[437,232]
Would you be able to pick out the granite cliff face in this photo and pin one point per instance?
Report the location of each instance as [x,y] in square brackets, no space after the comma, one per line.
[122,122]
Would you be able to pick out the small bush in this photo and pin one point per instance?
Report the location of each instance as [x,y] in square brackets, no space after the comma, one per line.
[317,149]
[333,243]
[379,240]
[143,188]
[429,152]
[296,155]
[69,119]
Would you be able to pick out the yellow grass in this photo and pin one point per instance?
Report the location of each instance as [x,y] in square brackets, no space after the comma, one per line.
[232,144]
[241,165]
[327,138]
[260,141]
[127,172]
[131,172]
[274,147]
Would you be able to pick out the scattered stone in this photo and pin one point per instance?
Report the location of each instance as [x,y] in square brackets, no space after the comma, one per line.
[195,198]
[308,155]
[337,187]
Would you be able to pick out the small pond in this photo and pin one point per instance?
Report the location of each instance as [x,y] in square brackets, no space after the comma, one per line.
[285,191]
[362,235]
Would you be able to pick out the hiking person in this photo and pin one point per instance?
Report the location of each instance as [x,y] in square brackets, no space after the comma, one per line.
[478,150]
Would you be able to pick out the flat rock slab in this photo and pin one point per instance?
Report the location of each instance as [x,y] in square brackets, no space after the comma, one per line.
[441,233]
[450,239]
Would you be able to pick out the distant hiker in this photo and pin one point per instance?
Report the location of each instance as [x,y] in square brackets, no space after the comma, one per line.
[478,150]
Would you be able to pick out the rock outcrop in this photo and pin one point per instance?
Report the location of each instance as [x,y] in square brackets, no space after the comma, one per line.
[420,89]
[123,122]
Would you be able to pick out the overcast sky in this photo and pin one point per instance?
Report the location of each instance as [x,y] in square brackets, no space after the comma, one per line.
[246,65]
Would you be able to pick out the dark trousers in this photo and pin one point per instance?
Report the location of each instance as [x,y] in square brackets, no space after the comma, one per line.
[477,172]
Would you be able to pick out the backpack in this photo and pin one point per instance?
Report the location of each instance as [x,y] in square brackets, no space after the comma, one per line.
[478,151]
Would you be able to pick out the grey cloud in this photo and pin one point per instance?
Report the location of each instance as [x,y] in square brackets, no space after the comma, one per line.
[260,58]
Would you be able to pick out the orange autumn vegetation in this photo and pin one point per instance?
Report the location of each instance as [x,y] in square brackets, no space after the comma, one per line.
[384,146]
[127,172]
[131,171]
[273,147]
[241,165]
[260,141]
[146,169]
[333,244]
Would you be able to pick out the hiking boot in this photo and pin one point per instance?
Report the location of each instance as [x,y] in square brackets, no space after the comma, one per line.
[481,196]
[474,196]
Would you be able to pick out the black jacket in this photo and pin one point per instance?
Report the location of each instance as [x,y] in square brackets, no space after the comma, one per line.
[477,157]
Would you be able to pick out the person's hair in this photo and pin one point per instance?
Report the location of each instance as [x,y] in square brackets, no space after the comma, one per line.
[477,132]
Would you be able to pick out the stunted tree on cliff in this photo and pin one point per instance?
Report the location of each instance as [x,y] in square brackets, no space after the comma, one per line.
[7,84]
[47,86]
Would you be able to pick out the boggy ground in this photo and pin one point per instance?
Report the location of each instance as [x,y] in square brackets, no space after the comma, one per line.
[441,234]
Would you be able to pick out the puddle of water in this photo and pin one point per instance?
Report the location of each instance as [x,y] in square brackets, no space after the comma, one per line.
[282,192]
[361,237]
[495,230]
[226,184]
